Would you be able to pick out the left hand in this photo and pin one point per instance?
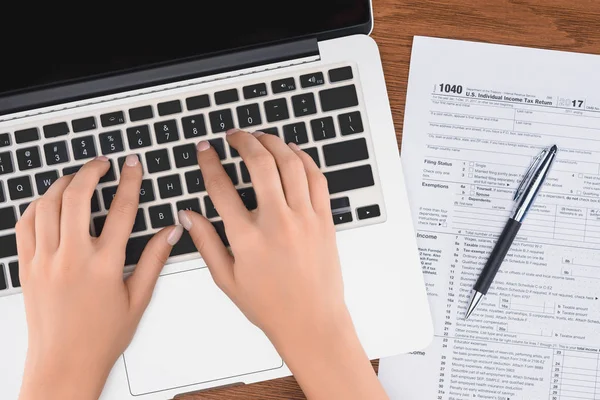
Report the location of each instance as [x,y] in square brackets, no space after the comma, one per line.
[81,314]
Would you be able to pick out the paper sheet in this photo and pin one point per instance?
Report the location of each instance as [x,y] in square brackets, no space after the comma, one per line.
[476,115]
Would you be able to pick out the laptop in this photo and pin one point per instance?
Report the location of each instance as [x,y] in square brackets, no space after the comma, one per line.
[107,81]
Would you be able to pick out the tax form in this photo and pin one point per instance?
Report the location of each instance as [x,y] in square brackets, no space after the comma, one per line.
[476,116]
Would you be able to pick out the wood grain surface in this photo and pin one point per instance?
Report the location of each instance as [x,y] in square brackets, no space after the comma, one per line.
[552,24]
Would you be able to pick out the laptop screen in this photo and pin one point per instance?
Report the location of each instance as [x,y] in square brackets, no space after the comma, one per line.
[90,42]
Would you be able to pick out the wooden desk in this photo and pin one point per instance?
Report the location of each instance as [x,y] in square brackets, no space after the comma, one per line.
[551,24]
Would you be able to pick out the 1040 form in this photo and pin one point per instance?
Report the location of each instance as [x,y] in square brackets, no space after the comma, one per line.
[476,116]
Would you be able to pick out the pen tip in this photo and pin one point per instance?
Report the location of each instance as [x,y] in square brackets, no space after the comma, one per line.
[554,148]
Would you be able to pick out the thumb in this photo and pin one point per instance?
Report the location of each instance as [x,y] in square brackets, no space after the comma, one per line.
[211,248]
[142,282]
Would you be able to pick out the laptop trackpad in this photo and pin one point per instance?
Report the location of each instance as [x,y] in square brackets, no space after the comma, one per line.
[192,334]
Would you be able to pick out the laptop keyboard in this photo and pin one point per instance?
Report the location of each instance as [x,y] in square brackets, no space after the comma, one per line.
[320,110]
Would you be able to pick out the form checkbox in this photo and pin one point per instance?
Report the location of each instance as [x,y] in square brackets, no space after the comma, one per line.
[470,175]
[471,164]
[581,175]
[579,192]
[472,193]
[444,224]
[470,169]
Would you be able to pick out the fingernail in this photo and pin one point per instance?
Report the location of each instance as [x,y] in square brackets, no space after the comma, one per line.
[203,146]
[294,146]
[175,235]
[102,158]
[232,131]
[184,220]
[258,133]
[132,160]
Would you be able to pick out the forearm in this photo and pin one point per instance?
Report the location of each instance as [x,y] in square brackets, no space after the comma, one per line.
[330,363]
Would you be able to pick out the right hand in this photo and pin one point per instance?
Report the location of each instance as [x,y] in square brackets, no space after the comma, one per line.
[283,271]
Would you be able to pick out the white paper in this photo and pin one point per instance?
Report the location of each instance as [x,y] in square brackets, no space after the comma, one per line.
[466,145]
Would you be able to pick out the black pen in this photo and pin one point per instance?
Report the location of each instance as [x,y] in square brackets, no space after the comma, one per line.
[524,198]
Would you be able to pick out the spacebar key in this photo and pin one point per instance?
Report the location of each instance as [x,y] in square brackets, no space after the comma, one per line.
[350,179]
[8,246]
[184,246]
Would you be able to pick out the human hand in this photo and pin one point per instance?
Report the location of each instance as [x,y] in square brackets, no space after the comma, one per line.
[81,314]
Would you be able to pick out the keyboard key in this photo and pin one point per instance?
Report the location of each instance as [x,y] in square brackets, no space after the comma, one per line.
[304,104]
[193,126]
[349,179]
[271,131]
[254,91]
[146,191]
[23,208]
[231,172]
[341,203]
[211,211]
[197,102]
[44,180]
[249,115]
[221,121]
[83,148]
[112,119]
[99,225]
[345,152]
[8,218]
[248,197]
[350,123]
[283,85]
[72,170]
[110,174]
[219,147]
[314,153]
[140,222]
[4,139]
[29,158]
[169,186]
[185,245]
[220,228]
[245,172]
[226,96]
[169,107]
[166,131]
[322,128]
[161,216]
[310,80]
[368,212]
[27,135]
[135,248]
[8,246]
[55,130]
[194,181]
[121,162]
[185,156]
[276,110]
[111,142]
[3,283]
[234,153]
[138,137]
[13,268]
[108,195]
[2,195]
[340,74]
[341,97]
[83,124]
[95,203]
[6,164]
[189,205]
[141,113]
[56,153]
[295,133]
[158,161]
[342,218]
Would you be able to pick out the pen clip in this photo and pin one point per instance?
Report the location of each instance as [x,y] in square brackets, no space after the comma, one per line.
[530,172]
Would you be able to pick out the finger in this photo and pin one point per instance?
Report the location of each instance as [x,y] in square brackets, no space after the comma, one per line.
[76,204]
[317,183]
[261,166]
[291,170]
[211,248]
[221,191]
[123,209]
[141,284]
[25,231]
[48,214]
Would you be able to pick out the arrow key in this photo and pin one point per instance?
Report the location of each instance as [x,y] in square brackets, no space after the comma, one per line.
[342,218]
[368,212]
[248,198]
